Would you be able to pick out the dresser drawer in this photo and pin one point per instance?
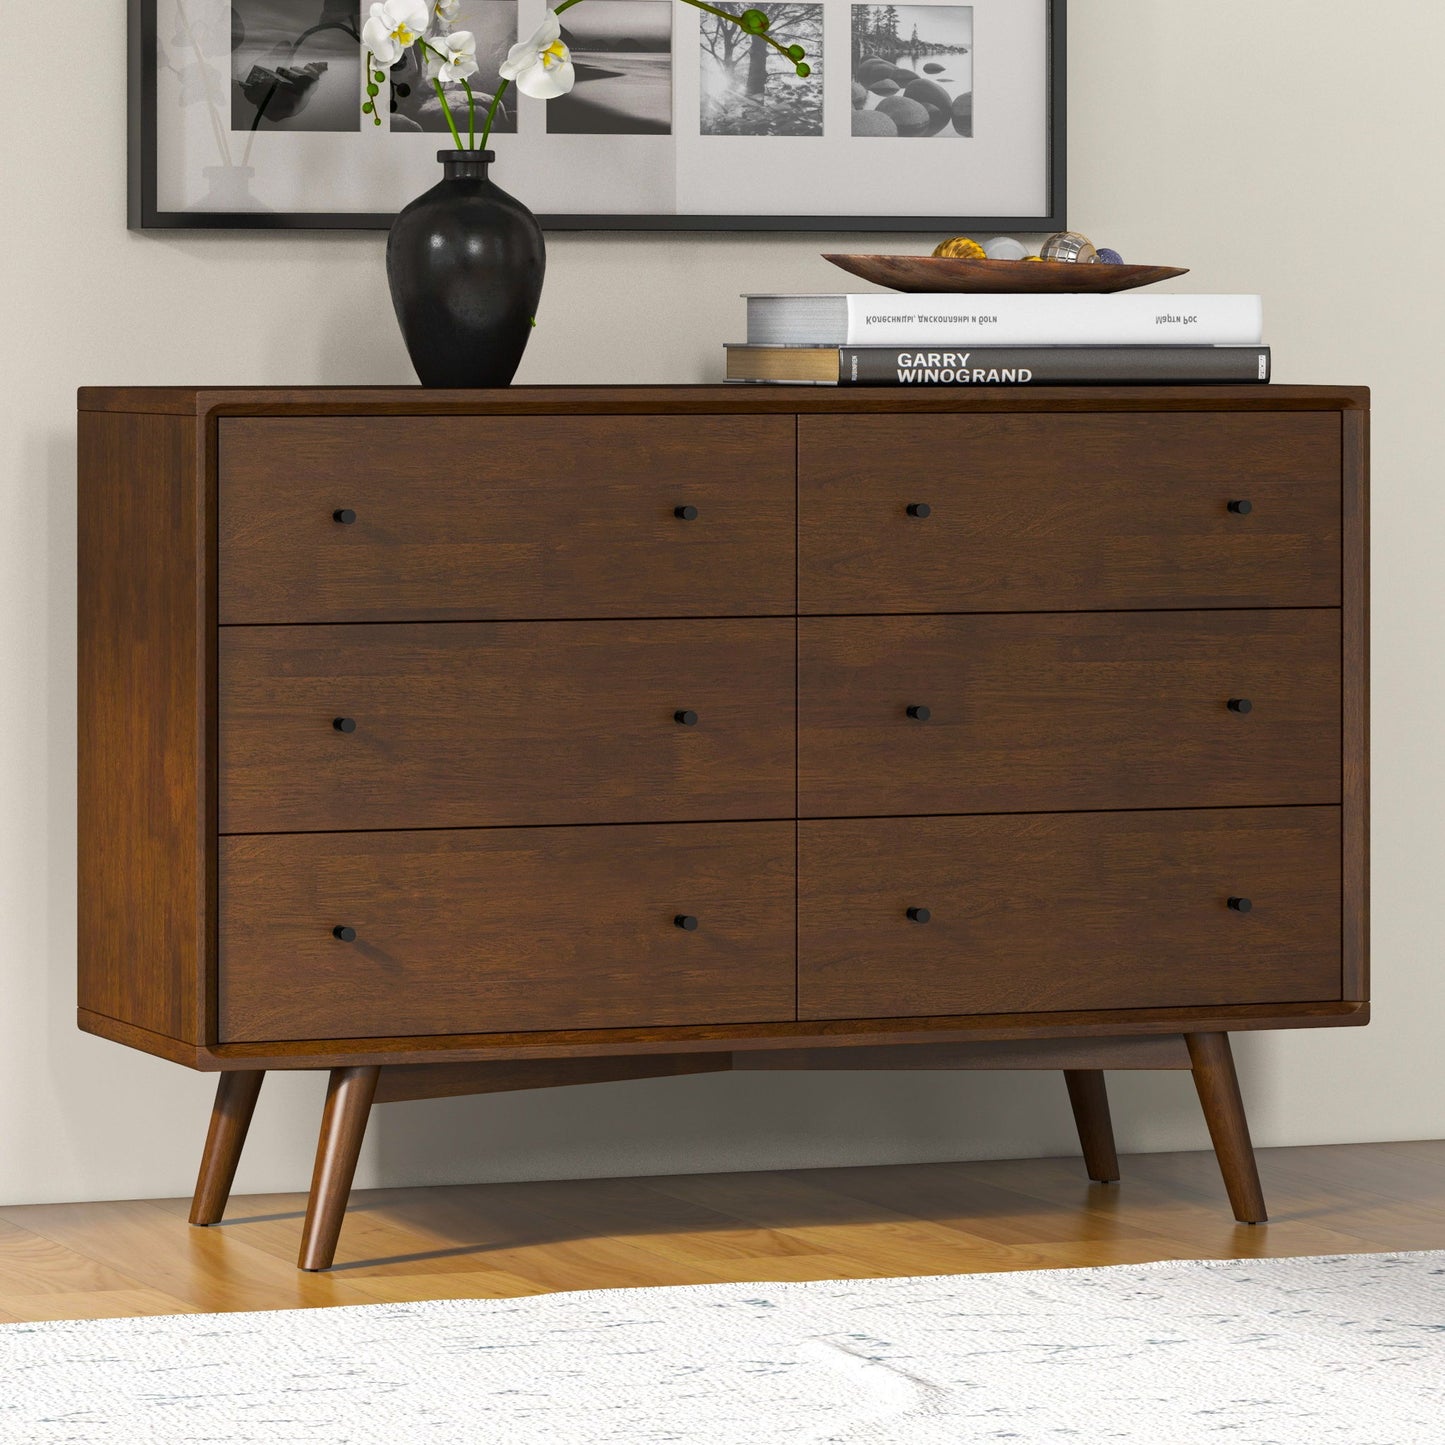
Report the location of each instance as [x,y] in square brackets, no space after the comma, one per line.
[1052,711]
[504,517]
[1067,911]
[485,724]
[505,929]
[1063,512]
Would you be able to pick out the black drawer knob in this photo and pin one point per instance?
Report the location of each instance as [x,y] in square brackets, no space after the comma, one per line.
[686,716]
[1240,704]
[345,934]
[919,915]
[686,514]
[919,509]
[343,514]
[919,713]
[1240,905]
[344,724]
[1242,507]
[686,922]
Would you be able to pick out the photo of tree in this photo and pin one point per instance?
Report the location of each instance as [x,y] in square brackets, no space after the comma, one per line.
[913,70]
[748,88]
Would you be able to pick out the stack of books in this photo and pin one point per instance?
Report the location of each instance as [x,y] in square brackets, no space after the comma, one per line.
[878,339]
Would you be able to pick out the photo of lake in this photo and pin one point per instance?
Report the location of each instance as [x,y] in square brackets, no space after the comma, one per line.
[622,51]
[295,65]
[913,71]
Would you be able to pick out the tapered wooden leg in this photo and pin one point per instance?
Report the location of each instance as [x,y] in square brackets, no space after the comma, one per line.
[236,1092]
[1214,1077]
[343,1126]
[1091,1113]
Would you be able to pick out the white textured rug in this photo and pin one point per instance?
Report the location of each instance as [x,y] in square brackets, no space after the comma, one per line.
[1268,1352]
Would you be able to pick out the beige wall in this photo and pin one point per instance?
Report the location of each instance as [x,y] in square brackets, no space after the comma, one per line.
[1290,148]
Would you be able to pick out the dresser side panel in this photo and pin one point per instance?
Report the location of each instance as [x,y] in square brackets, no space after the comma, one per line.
[144,886]
[1355,704]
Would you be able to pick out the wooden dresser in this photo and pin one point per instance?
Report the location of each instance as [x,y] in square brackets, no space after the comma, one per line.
[467,741]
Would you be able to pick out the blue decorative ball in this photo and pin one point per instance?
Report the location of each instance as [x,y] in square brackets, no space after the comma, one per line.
[1110,258]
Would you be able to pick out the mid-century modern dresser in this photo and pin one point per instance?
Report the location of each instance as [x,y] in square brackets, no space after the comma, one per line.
[466,741]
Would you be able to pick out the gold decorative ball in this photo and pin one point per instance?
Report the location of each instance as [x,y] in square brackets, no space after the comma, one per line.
[960,248]
[1068,246]
[1033,258]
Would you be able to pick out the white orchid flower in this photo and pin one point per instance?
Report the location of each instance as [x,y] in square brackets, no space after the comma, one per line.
[394,26]
[448,10]
[458,53]
[542,66]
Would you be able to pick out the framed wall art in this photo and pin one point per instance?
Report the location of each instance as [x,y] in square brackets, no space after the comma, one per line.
[925,116]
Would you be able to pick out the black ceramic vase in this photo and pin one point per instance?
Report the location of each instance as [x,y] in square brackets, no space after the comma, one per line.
[465,262]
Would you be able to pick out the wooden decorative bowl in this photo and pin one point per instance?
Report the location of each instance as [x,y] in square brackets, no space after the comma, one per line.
[944,273]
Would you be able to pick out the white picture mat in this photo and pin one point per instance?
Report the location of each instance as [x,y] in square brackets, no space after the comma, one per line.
[1003,170]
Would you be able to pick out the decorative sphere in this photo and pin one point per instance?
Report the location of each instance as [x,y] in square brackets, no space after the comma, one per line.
[1005,248]
[910,116]
[1110,257]
[960,248]
[1068,246]
[1033,258]
[754,21]
[869,122]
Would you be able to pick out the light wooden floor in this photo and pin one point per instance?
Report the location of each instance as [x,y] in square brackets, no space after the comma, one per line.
[73,1261]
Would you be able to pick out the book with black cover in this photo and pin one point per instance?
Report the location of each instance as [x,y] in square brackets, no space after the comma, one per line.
[999,365]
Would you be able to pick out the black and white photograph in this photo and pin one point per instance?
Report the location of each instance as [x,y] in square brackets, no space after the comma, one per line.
[913,70]
[295,65]
[747,87]
[415,105]
[622,51]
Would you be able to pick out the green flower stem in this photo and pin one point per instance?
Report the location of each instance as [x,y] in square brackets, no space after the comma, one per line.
[492,109]
[423,47]
[471,114]
[452,125]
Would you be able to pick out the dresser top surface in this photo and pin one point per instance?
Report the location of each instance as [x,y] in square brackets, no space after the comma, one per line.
[707,399]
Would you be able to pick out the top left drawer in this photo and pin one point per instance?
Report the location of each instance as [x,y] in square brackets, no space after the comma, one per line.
[369,519]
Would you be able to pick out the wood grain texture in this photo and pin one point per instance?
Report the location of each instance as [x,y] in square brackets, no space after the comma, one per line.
[349,1093]
[143,724]
[1089,1099]
[236,1095]
[1355,711]
[514,723]
[534,928]
[1055,711]
[958,274]
[513,1239]
[1054,513]
[573,401]
[1067,911]
[518,521]
[404,1082]
[1219,1096]
[1165,1052]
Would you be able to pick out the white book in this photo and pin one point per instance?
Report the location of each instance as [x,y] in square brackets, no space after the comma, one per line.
[1015,319]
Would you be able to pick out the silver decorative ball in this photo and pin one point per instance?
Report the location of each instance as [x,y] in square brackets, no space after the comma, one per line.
[1068,246]
[1005,248]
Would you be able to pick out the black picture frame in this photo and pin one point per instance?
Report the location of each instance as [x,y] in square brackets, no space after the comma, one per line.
[145,215]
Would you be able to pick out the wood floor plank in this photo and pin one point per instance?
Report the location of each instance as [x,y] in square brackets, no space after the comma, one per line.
[512,1240]
[207,1269]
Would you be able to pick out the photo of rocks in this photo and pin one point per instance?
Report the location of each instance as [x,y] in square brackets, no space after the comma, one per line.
[295,65]
[414,103]
[747,88]
[913,70]
[622,51]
